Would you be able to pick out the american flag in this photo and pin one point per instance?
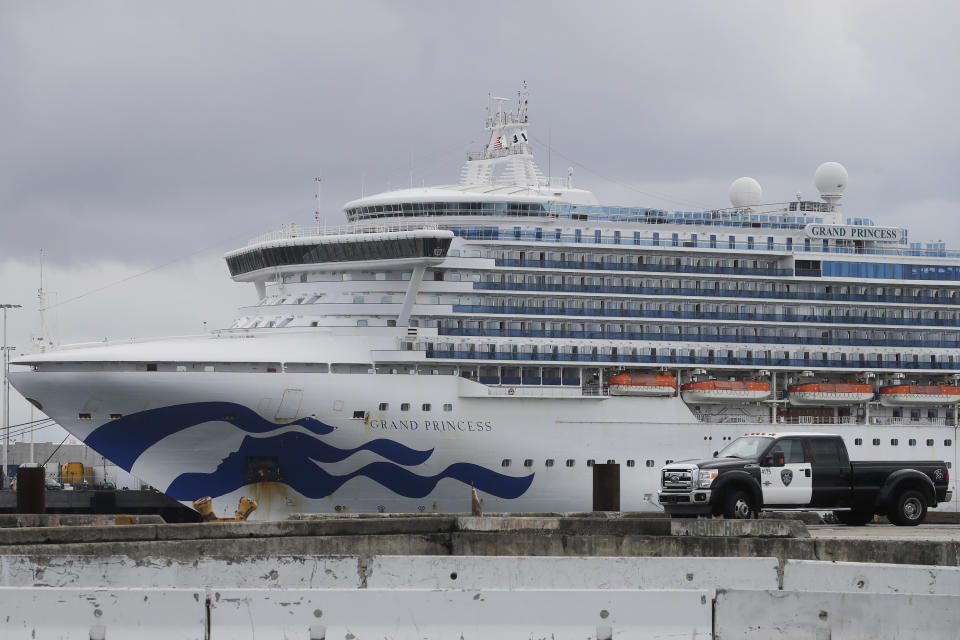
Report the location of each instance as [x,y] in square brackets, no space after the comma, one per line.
[496,144]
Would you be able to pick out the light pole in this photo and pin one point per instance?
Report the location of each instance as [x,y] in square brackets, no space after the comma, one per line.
[6,393]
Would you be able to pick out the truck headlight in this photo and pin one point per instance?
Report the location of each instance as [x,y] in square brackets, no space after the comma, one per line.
[706,478]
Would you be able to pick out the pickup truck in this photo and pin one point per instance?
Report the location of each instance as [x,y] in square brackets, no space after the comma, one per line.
[802,471]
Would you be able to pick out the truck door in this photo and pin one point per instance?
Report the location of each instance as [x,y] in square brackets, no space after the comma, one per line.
[792,483]
[831,472]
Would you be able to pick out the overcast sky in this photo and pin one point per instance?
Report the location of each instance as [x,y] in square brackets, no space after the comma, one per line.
[135,135]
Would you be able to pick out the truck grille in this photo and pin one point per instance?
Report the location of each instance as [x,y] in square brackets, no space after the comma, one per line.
[677,480]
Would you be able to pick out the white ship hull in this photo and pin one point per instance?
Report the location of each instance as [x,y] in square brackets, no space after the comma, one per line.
[820,398]
[641,391]
[917,399]
[431,457]
[722,396]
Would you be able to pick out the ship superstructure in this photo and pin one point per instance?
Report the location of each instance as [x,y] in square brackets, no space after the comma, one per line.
[509,332]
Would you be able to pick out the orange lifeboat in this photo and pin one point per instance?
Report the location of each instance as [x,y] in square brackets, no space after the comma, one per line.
[829,393]
[643,384]
[718,391]
[917,395]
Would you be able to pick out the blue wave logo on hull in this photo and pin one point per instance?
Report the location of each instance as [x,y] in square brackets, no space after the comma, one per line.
[126,439]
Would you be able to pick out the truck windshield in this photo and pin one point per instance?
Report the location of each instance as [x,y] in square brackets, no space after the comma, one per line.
[749,447]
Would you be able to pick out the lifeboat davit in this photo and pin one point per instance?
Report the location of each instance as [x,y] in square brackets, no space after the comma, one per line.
[717,391]
[916,395]
[643,384]
[829,393]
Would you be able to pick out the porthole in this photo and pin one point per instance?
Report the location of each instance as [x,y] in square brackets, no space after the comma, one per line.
[911,442]
[948,442]
[930,442]
[384,406]
[590,463]
[448,407]
[116,416]
[84,416]
[650,463]
[528,462]
[668,462]
[894,442]
[876,442]
[858,441]
[404,406]
[549,462]
[611,462]
[426,406]
[358,415]
[631,463]
[571,462]
[505,462]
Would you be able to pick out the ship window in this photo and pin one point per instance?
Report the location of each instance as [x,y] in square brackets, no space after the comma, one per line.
[386,299]
[384,406]
[858,441]
[84,416]
[505,462]
[631,463]
[357,299]
[590,463]
[650,463]
[151,366]
[668,462]
[405,406]
[876,442]
[405,275]
[611,462]
[930,442]
[348,276]
[894,442]
[548,462]
[434,299]
[391,323]
[528,462]
[116,416]
[475,277]
[181,368]
[426,406]
[361,323]
[911,442]
[358,415]
[380,275]
[448,407]
[947,442]
[571,462]
[208,368]
[313,324]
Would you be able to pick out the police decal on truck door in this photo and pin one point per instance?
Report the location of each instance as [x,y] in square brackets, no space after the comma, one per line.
[790,484]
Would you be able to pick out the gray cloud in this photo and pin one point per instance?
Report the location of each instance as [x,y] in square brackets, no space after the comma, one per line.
[132,134]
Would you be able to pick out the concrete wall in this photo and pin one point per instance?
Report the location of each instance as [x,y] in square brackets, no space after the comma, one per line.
[399,597]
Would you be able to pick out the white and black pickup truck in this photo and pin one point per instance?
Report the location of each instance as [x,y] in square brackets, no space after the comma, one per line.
[802,470]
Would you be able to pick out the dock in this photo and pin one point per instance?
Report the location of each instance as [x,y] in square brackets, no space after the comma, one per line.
[504,576]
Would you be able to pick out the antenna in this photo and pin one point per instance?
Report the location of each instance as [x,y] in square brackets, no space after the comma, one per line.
[42,298]
[316,213]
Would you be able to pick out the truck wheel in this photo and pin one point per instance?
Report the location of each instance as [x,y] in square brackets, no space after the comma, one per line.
[909,509]
[853,518]
[737,506]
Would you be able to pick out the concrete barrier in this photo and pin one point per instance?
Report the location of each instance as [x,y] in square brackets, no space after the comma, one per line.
[120,572]
[91,614]
[417,614]
[809,615]
[858,577]
[491,572]
[739,528]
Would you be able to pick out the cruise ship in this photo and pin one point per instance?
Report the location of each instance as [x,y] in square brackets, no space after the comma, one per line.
[508,333]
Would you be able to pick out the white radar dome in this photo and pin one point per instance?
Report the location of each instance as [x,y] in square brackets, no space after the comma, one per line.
[745,192]
[831,179]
